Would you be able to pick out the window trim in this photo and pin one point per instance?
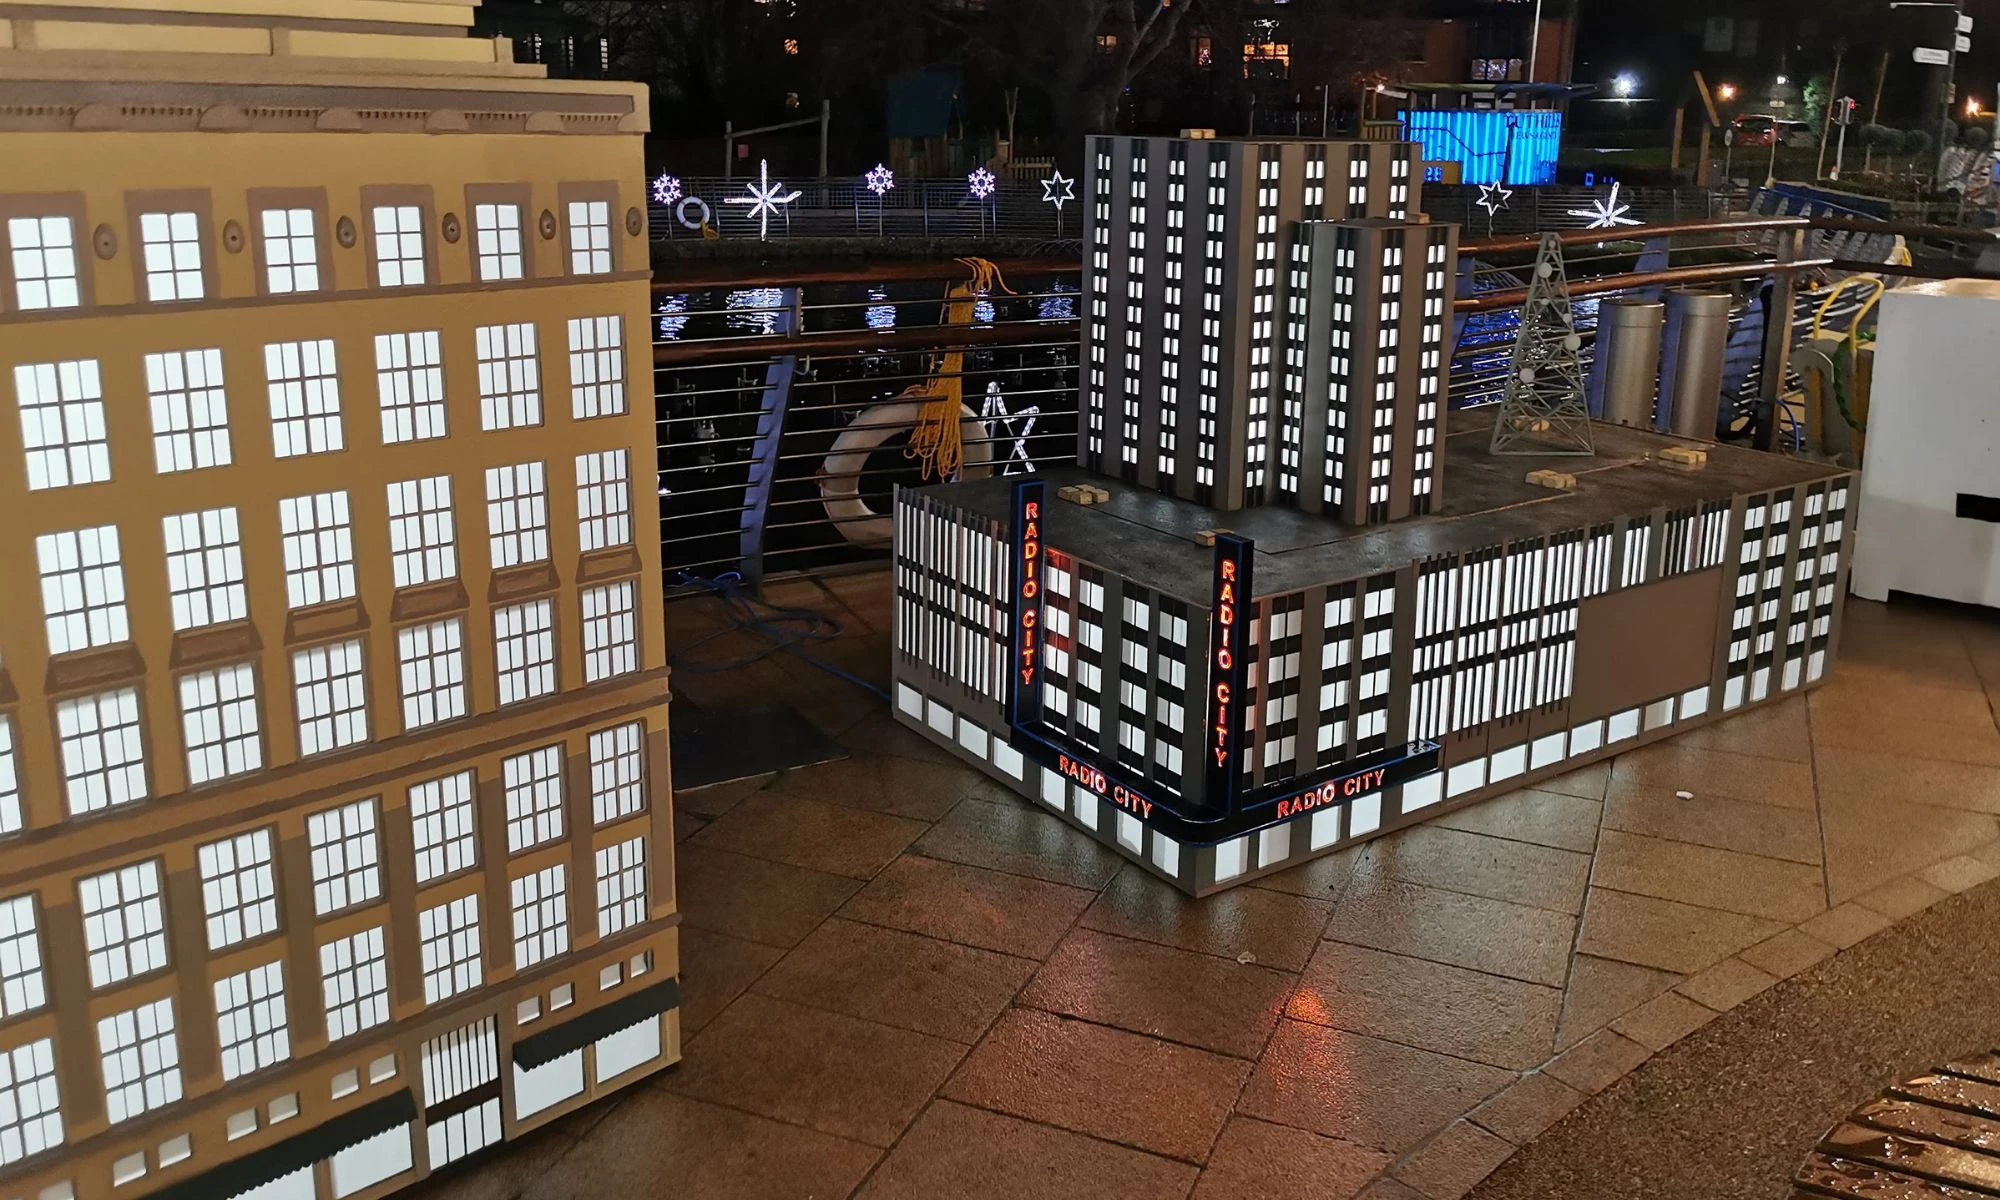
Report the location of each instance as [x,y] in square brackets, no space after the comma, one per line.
[260,199]
[47,204]
[194,200]
[401,195]
[522,196]
[607,192]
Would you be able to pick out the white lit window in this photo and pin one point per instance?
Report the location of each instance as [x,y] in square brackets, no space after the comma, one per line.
[589,237]
[621,886]
[83,588]
[30,1108]
[45,267]
[617,772]
[103,763]
[510,377]
[62,423]
[21,987]
[604,499]
[142,1061]
[354,975]
[319,549]
[237,888]
[517,514]
[410,381]
[332,697]
[205,568]
[171,244]
[250,1020]
[190,413]
[596,367]
[496,231]
[541,916]
[219,723]
[441,820]
[431,659]
[291,256]
[346,858]
[420,530]
[610,631]
[399,245]
[124,922]
[305,397]
[534,797]
[450,935]
[524,647]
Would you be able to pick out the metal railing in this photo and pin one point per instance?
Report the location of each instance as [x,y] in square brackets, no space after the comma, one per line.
[844,208]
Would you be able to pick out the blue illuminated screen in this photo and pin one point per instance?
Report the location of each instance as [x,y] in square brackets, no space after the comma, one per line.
[1482,140]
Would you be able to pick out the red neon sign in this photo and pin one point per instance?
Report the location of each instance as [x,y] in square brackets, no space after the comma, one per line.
[1094,779]
[1031,589]
[1225,658]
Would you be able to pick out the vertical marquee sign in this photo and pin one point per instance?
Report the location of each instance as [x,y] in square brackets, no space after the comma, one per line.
[1028,565]
[1228,634]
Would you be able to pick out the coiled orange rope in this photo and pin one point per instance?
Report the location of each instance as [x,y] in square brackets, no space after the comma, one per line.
[937,439]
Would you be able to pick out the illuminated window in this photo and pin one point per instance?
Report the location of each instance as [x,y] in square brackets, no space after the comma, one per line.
[517,514]
[291,251]
[533,783]
[354,976]
[45,265]
[589,237]
[103,764]
[30,1108]
[346,857]
[450,936]
[509,377]
[421,536]
[610,631]
[237,888]
[305,397]
[604,499]
[190,412]
[410,382]
[496,232]
[319,549]
[332,697]
[142,1060]
[62,423]
[541,916]
[219,723]
[399,245]
[524,650]
[205,568]
[10,781]
[21,987]
[83,588]
[171,245]
[441,820]
[596,367]
[124,923]
[250,1020]
[617,772]
[621,886]
[431,659]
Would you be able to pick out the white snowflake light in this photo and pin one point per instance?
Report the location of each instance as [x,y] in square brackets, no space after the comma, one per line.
[764,199]
[880,180]
[666,189]
[1493,197]
[1057,190]
[982,182]
[1605,213]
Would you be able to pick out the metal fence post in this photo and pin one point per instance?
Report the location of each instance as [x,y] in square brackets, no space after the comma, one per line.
[1779,297]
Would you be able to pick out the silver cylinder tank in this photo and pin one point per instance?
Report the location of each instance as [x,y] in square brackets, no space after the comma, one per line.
[1628,342]
[1701,319]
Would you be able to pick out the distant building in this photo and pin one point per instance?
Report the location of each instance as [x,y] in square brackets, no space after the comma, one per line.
[335,841]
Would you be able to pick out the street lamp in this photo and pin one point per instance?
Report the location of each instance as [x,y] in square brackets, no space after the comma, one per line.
[1725,91]
[1785,79]
[1624,85]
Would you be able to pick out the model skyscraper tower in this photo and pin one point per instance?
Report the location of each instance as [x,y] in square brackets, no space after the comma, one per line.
[1283,632]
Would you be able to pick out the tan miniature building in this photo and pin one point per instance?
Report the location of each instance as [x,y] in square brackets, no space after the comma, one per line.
[335,840]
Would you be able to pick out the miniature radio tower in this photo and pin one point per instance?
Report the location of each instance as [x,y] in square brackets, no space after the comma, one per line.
[1542,410]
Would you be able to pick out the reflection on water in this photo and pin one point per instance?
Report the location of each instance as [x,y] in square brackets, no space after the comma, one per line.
[1060,305]
[755,310]
[671,320]
[880,316]
[982,313]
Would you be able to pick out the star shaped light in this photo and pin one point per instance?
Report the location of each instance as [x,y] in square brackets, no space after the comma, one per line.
[764,199]
[1050,194]
[1605,213]
[1493,197]
[982,182]
[881,179]
[666,189]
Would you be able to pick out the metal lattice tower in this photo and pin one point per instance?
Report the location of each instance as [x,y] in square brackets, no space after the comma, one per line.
[1543,410]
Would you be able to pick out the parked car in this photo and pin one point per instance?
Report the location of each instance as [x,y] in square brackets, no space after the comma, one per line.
[1761,130]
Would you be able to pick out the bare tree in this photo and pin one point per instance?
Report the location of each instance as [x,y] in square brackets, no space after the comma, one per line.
[1081,55]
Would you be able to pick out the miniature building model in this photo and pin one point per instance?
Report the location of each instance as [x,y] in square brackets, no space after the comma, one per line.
[1299,637]
[333,715]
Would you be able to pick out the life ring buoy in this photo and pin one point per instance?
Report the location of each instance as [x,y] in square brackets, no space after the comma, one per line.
[681,212]
[840,474]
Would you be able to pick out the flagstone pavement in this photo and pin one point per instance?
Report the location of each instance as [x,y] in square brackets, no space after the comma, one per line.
[901,982]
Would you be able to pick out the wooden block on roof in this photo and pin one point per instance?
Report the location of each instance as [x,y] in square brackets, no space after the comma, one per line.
[1561,481]
[1685,457]
[1206,537]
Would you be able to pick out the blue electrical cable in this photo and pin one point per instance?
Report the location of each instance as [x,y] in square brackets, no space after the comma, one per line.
[783,630]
